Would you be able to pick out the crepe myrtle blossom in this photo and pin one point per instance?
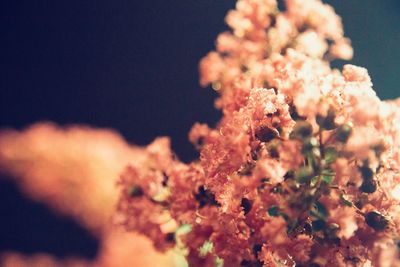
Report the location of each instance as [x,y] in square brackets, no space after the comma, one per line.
[301,170]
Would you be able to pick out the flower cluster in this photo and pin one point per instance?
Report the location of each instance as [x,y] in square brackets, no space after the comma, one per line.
[302,169]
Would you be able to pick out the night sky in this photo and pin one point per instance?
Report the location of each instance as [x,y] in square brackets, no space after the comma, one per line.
[132,66]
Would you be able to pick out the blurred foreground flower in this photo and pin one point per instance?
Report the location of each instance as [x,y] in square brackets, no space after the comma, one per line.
[74,170]
[301,170]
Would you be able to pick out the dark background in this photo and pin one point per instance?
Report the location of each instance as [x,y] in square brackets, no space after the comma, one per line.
[132,66]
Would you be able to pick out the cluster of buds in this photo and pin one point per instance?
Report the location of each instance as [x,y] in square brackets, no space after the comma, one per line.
[302,169]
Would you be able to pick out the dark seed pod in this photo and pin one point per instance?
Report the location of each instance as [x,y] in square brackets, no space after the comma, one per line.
[199,142]
[362,200]
[376,221]
[246,204]
[368,186]
[247,168]
[135,191]
[205,197]
[257,248]
[318,225]
[266,134]
[302,130]
[331,230]
[366,172]
[379,149]
[165,180]
[327,122]
[170,237]
[293,113]
[272,148]
[307,228]
[343,133]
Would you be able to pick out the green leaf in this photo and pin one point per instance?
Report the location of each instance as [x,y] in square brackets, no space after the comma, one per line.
[328,171]
[205,248]
[330,155]
[327,179]
[314,180]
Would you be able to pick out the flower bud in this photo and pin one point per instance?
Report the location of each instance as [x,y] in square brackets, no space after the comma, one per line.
[368,186]
[266,134]
[135,191]
[302,130]
[376,221]
[304,175]
[327,122]
[366,172]
[343,133]
[318,225]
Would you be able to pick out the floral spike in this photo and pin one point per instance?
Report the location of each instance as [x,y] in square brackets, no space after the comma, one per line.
[304,161]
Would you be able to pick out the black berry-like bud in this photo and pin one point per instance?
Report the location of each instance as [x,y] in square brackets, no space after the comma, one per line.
[256,249]
[205,197]
[368,186]
[265,133]
[327,122]
[293,113]
[135,191]
[246,204]
[318,225]
[376,221]
[302,130]
[379,149]
[272,148]
[170,237]
[366,172]
[343,133]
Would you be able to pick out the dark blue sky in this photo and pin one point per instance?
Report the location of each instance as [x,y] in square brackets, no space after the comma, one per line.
[132,66]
